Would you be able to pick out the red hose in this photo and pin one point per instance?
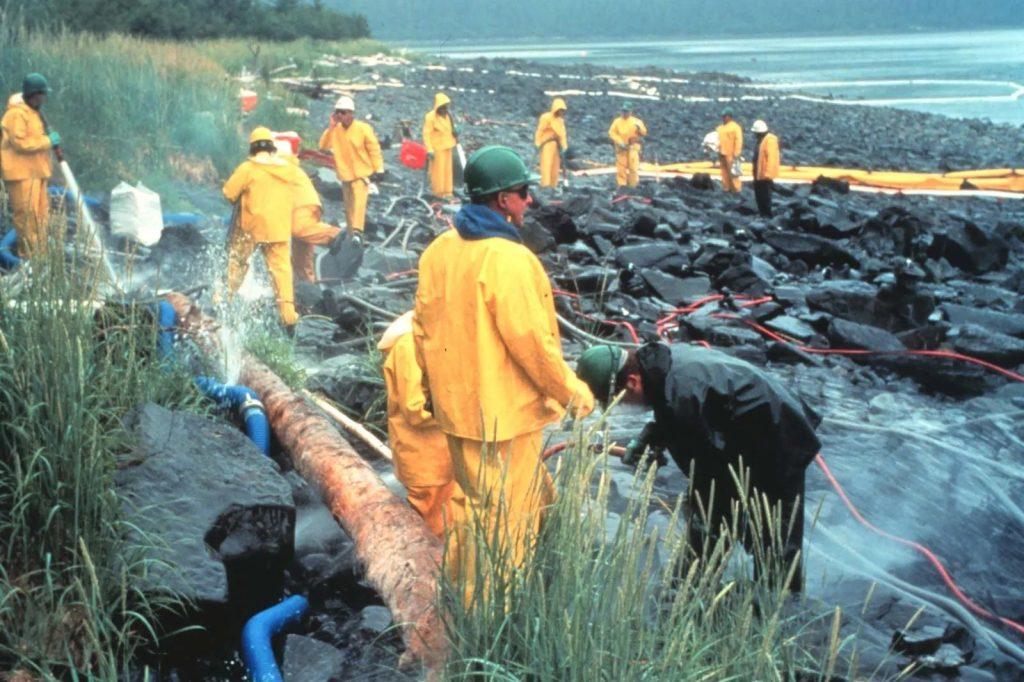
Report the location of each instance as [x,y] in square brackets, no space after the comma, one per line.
[921,549]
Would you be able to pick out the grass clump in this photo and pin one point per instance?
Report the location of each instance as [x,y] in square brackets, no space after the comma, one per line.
[69,370]
[628,601]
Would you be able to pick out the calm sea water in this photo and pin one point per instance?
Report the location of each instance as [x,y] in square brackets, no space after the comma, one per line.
[977,74]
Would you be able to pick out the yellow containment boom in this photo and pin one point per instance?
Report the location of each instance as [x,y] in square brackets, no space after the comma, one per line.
[999,182]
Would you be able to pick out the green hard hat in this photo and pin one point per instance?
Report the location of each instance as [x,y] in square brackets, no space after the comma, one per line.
[598,366]
[34,83]
[727,111]
[494,169]
[627,105]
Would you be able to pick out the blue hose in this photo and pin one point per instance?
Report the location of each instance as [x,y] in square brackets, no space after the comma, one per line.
[62,192]
[167,318]
[179,219]
[257,651]
[245,400]
[7,258]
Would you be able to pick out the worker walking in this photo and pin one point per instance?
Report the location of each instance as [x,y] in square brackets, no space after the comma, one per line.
[730,147]
[357,161]
[487,337]
[25,147]
[264,188]
[626,132]
[440,136]
[766,166]
[710,410]
[420,448]
[552,141]
[308,229]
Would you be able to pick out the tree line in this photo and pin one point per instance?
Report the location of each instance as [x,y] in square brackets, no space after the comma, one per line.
[193,19]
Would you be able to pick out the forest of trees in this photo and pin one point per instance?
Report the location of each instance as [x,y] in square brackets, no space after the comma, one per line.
[188,19]
[473,20]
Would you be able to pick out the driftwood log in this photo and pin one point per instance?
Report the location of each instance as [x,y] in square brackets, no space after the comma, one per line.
[400,555]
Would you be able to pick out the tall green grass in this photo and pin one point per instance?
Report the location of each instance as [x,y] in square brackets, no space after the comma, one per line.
[630,602]
[69,371]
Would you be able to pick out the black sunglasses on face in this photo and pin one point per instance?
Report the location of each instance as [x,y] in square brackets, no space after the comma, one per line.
[523,191]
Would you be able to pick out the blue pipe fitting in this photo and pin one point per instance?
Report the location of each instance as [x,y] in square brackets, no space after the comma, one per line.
[257,650]
[245,400]
[7,245]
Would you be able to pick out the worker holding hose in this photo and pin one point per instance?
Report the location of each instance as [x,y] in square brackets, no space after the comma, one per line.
[263,188]
[357,161]
[715,414]
[308,228]
[626,133]
[25,147]
[420,448]
[730,146]
[552,142]
[487,338]
[440,137]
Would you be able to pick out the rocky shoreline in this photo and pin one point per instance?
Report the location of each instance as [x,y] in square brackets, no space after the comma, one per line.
[929,448]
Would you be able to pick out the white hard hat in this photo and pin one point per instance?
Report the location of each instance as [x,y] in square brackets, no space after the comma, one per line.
[759,127]
[344,103]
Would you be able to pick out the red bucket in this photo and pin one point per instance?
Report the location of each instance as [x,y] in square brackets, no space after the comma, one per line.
[412,154]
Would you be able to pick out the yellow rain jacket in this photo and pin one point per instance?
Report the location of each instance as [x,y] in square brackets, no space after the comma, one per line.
[767,158]
[626,131]
[24,145]
[551,127]
[730,140]
[267,187]
[487,335]
[355,149]
[438,131]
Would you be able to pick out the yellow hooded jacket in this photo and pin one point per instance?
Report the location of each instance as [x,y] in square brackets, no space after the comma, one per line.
[438,131]
[487,336]
[24,145]
[551,127]
[267,188]
[730,140]
[355,149]
[623,130]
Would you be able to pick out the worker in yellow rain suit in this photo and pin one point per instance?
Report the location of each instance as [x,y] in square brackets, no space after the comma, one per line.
[25,164]
[422,462]
[264,188]
[766,166]
[487,337]
[357,160]
[730,146]
[440,137]
[552,141]
[626,132]
[308,230]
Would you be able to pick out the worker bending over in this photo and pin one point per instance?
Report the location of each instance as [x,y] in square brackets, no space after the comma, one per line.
[711,409]
[626,132]
[487,337]
[308,230]
[25,164]
[264,188]
[766,166]
[440,136]
[420,448]
[730,146]
[357,160]
[552,141]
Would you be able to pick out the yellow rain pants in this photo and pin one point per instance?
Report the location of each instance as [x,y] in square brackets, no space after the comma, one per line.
[627,165]
[442,180]
[505,490]
[308,232]
[730,146]
[279,263]
[551,138]
[30,209]
[355,195]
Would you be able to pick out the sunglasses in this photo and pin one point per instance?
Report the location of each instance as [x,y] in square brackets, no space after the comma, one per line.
[523,192]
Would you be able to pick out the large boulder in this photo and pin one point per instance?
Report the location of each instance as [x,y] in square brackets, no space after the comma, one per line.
[220,511]
[968,247]
[809,248]
[664,256]
[985,344]
[308,660]
[1004,323]
[845,334]
[348,379]
[848,298]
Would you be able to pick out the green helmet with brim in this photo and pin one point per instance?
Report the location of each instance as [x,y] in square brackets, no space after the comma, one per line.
[597,368]
[34,84]
[496,169]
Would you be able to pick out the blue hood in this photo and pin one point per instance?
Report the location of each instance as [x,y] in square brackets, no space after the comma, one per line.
[475,221]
